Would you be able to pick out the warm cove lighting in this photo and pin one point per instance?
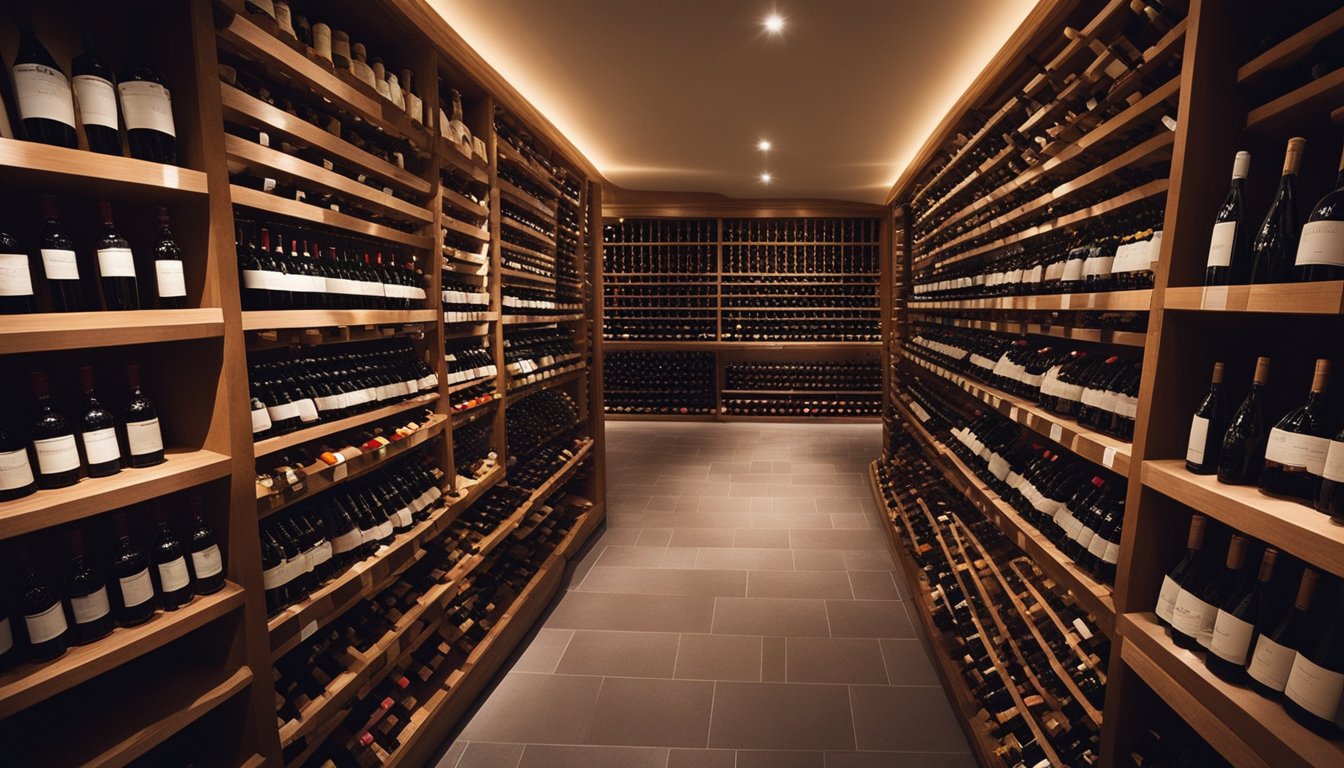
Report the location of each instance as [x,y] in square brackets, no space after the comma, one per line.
[764,145]
[766,178]
[774,24]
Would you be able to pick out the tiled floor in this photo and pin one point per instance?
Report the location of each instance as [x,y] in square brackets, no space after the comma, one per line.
[739,611]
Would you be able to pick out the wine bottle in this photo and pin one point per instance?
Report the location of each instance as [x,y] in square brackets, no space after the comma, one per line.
[1229,247]
[16,470]
[144,441]
[97,431]
[1296,449]
[135,587]
[16,278]
[46,106]
[1275,244]
[97,99]
[1231,582]
[1195,609]
[116,266]
[1241,618]
[59,263]
[148,108]
[1210,419]
[1190,561]
[170,565]
[1316,681]
[1320,252]
[207,564]
[53,440]
[168,273]
[1329,499]
[87,592]
[1242,453]
[43,614]
[1274,653]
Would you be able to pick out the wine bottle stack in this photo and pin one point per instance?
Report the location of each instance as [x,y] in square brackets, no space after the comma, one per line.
[533,354]
[663,383]
[464,301]
[473,452]
[659,277]
[844,388]
[1031,661]
[540,418]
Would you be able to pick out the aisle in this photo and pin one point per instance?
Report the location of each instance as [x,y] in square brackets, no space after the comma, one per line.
[740,611]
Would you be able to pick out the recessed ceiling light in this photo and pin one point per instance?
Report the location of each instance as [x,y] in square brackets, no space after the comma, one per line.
[766,178]
[774,23]
[764,145]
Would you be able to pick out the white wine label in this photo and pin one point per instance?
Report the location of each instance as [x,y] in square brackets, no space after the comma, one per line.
[43,92]
[998,467]
[1073,270]
[47,625]
[1299,451]
[101,445]
[1097,546]
[97,101]
[1271,663]
[1322,243]
[15,471]
[1199,437]
[6,636]
[56,454]
[208,562]
[1315,688]
[264,280]
[1112,553]
[261,420]
[283,412]
[1166,599]
[1187,613]
[116,262]
[60,264]
[1231,639]
[147,106]
[320,553]
[15,277]
[347,542]
[143,437]
[404,519]
[174,575]
[278,576]
[307,410]
[1334,462]
[170,279]
[136,589]
[384,529]
[1220,246]
[90,607]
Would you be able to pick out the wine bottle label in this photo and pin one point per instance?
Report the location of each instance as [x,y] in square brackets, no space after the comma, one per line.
[15,471]
[116,262]
[90,607]
[6,636]
[1127,406]
[60,264]
[143,437]
[43,93]
[147,106]
[1112,554]
[1073,270]
[274,578]
[47,625]
[15,277]
[261,420]
[101,446]
[1187,613]
[56,454]
[1231,639]
[283,412]
[264,280]
[208,562]
[1097,547]
[347,541]
[307,410]
[1220,246]
[1014,480]
[1334,462]
[136,589]
[170,279]
[97,100]
[1315,688]
[998,467]
[173,575]
[404,519]
[328,403]
[1166,598]
[384,529]
[1271,663]
[1298,451]
[320,553]
[1199,437]
[1322,244]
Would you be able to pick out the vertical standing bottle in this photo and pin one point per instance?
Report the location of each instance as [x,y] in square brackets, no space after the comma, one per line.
[135,587]
[87,592]
[1230,243]
[1275,244]
[1320,252]
[170,562]
[16,469]
[1296,450]
[46,106]
[16,278]
[60,265]
[207,564]
[1242,616]
[1330,497]
[1206,428]
[43,614]
[144,441]
[116,266]
[147,106]
[53,440]
[168,275]
[1315,684]
[97,97]
[1243,450]
[1191,561]
[97,431]
[1272,660]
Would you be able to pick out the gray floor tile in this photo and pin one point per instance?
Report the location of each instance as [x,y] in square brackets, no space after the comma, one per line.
[719,657]
[819,559]
[715,558]
[559,756]
[813,584]
[544,651]
[837,540]
[526,708]
[868,618]
[702,758]
[454,753]
[652,713]
[799,520]
[869,560]
[665,581]
[852,520]
[761,538]
[654,537]
[907,663]
[852,661]
[905,719]
[874,585]
[779,617]
[794,505]
[634,613]
[483,755]
[781,716]
[632,557]
[703,537]
[774,660]
[751,758]
[622,654]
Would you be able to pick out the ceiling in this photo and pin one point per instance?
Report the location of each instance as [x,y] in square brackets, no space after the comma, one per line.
[675,95]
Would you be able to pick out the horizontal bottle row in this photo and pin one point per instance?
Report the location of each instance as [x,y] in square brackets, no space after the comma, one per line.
[538,419]
[527,350]
[469,360]
[680,259]
[801,406]
[286,472]
[530,300]
[841,375]
[660,231]
[801,260]
[799,326]
[473,451]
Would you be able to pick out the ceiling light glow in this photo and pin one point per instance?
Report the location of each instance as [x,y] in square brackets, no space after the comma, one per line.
[766,178]
[764,145]
[774,23]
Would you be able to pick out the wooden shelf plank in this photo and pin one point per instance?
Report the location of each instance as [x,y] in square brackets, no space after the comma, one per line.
[1096,335]
[508,246]
[711,346]
[524,198]
[271,320]
[1307,104]
[527,231]
[527,390]
[1325,298]
[514,158]
[1289,525]
[263,201]
[461,201]
[462,228]
[1247,728]
[518,274]
[472,167]
[47,331]
[42,166]
[463,418]
[29,684]
[1291,50]
[543,319]
[280,443]
[1114,301]
[93,496]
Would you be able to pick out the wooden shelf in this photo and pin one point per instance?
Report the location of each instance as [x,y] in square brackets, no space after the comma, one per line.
[474,168]
[271,320]
[1310,103]
[522,197]
[27,164]
[1289,525]
[1290,51]
[280,443]
[467,230]
[31,683]
[527,231]
[461,201]
[1280,298]
[264,201]
[1095,335]
[713,346]
[1114,301]
[527,390]
[528,277]
[539,175]
[48,331]
[508,246]
[1097,448]
[811,392]
[463,418]
[542,319]
[93,496]
[1246,728]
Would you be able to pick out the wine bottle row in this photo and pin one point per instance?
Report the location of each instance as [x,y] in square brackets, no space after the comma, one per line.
[697,328]
[47,272]
[473,451]
[469,360]
[536,300]
[659,231]
[679,259]
[838,376]
[528,351]
[801,259]
[1169,742]
[286,472]
[462,301]
[646,383]
[851,406]
[805,326]
[54,451]
[818,230]
[106,578]
[1260,619]
[538,419]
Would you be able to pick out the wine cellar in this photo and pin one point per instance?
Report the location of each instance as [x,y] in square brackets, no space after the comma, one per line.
[357,414]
